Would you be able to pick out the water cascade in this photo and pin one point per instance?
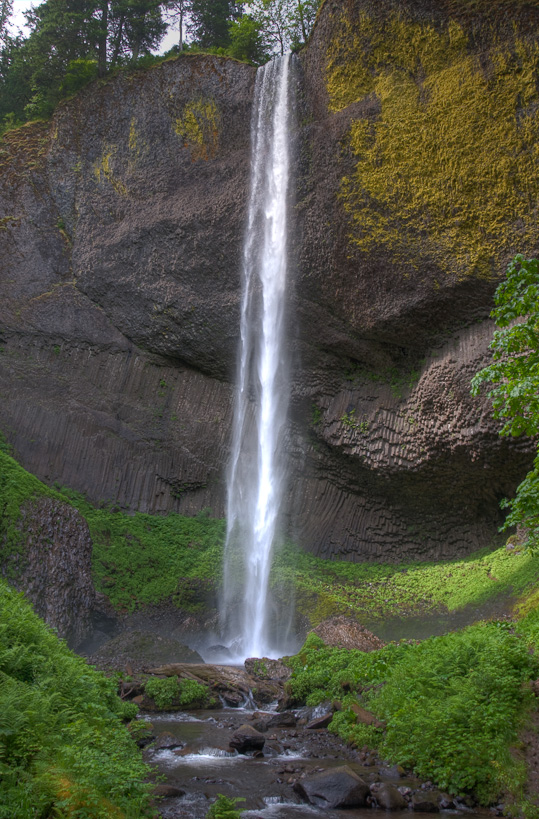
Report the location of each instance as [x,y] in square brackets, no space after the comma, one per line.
[257,471]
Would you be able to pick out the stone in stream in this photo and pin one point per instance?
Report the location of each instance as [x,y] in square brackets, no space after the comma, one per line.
[246,739]
[167,740]
[334,788]
[320,722]
[426,801]
[287,719]
[388,797]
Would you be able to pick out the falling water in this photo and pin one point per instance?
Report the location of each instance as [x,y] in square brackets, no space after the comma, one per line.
[256,471]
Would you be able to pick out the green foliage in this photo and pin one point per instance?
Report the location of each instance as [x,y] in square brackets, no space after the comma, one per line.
[140,559]
[451,705]
[78,74]
[193,694]
[247,41]
[224,808]
[379,591]
[163,692]
[514,376]
[63,747]
[171,692]
[17,488]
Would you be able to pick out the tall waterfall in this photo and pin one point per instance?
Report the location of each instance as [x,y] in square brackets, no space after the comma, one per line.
[257,469]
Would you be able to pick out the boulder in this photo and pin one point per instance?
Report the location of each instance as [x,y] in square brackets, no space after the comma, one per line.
[426,801]
[389,798]
[320,722]
[246,739]
[266,669]
[334,788]
[365,717]
[167,740]
[286,719]
[344,632]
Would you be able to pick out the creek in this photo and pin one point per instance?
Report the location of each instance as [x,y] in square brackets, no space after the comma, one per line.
[199,761]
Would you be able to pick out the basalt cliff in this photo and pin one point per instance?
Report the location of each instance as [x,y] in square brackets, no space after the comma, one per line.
[416,181]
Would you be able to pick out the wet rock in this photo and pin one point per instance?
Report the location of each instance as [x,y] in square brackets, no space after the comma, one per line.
[334,788]
[259,725]
[426,801]
[388,797]
[266,669]
[246,739]
[164,791]
[167,740]
[320,722]
[344,632]
[286,719]
[233,698]
[446,802]
[217,652]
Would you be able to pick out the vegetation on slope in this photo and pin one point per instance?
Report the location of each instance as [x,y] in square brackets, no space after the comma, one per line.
[63,746]
[449,708]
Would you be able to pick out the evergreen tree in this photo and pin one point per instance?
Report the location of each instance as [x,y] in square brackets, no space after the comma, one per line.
[210,21]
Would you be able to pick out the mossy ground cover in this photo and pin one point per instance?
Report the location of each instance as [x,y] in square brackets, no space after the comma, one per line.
[140,559]
[64,748]
[378,591]
[450,707]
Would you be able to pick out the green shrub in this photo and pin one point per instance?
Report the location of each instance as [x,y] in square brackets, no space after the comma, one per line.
[193,694]
[163,692]
[63,747]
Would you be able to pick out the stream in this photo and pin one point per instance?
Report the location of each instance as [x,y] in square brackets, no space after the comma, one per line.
[197,758]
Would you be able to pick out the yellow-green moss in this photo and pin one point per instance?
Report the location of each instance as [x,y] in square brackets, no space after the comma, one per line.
[199,127]
[449,170]
[103,170]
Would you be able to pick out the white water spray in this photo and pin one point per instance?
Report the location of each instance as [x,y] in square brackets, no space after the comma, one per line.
[256,471]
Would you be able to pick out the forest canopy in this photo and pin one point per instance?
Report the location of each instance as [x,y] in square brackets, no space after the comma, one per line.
[71,42]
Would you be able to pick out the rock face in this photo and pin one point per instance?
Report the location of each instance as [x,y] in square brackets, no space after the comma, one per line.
[53,567]
[121,228]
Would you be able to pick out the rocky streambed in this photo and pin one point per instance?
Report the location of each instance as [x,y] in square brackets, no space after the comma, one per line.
[283,763]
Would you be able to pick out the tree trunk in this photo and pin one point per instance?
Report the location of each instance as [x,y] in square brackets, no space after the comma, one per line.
[102,45]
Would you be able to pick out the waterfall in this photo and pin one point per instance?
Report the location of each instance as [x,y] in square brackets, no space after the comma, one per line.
[257,470]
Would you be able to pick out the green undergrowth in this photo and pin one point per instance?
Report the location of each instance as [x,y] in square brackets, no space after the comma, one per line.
[140,559]
[448,708]
[379,591]
[64,748]
[17,488]
[174,693]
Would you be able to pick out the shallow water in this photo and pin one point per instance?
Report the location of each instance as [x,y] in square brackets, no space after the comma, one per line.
[204,767]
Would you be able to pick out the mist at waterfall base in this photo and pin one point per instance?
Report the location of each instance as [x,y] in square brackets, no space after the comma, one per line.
[252,625]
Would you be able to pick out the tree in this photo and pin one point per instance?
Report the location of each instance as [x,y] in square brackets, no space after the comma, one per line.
[177,11]
[248,41]
[210,21]
[286,23]
[514,376]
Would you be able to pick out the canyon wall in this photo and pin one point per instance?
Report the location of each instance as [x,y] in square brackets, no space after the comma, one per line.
[121,227]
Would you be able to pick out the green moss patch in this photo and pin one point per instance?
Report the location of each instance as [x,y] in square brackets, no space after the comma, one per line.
[448,170]
[140,559]
[376,591]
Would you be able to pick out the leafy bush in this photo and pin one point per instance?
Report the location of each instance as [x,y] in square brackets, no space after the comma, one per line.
[64,749]
[514,378]
[193,694]
[170,692]
[451,705]
[163,692]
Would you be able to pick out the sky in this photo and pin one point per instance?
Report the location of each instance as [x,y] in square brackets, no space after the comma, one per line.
[20,6]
